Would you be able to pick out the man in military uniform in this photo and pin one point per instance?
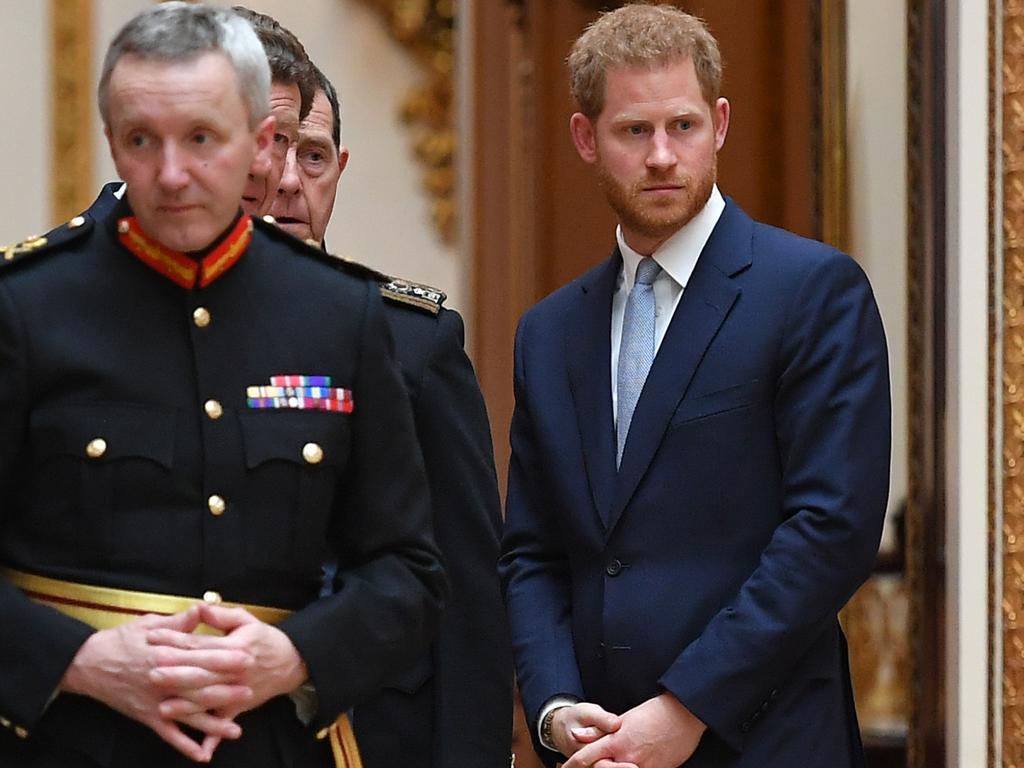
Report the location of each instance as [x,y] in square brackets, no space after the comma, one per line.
[453,707]
[292,83]
[180,430]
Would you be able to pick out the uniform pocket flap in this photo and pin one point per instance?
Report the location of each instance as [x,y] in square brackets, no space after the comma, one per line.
[104,431]
[296,437]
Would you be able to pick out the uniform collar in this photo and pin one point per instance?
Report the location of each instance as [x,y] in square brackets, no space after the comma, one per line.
[186,270]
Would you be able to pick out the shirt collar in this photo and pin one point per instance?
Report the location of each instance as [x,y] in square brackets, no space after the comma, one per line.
[677,256]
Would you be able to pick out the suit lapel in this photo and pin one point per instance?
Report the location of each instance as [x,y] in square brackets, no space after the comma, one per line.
[589,355]
[703,307]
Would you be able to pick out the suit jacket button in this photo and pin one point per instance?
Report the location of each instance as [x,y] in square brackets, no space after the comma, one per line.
[20,732]
[614,568]
[96,448]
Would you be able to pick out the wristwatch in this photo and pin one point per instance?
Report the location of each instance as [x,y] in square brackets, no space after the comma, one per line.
[545,729]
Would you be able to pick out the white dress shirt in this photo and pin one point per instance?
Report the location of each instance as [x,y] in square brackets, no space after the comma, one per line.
[677,258]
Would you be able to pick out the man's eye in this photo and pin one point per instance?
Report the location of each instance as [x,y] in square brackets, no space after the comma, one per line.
[201,138]
[137,140]
[636,130]
[685,125]
[280,138]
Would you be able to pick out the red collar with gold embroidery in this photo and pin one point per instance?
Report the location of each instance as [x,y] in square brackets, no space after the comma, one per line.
[178,266]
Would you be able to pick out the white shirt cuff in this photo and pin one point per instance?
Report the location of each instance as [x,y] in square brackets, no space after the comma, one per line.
[555,702]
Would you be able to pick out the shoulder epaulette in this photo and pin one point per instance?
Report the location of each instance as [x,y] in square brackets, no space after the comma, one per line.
[39,244]
[421,296]
[312,248]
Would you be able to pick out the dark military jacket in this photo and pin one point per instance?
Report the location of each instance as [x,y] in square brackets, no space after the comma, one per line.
[453,707]
[94,344]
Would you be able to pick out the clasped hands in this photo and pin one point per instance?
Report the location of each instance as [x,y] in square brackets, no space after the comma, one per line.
[659,733]
[155,670]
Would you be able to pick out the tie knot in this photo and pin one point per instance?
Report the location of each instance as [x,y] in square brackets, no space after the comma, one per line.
[647,271]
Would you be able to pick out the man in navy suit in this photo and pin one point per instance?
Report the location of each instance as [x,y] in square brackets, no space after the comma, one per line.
[700,448]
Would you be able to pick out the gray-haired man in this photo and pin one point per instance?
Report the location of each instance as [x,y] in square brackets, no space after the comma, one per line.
[176,434]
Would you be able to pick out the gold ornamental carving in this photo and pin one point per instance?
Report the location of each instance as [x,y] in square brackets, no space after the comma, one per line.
[71,160]
[427,29]
[1012,524]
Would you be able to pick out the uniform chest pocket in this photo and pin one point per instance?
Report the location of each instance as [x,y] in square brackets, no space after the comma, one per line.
[92,463]
[294,462]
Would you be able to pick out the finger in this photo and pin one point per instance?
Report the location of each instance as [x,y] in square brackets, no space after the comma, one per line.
[593,715]
[213,697]
[227,661]
[185,621]
[590,754]
[189,678]
[209,746]
[173,735]
[586,735]
[613,764]
[212,725]
[184,640]
[224,618]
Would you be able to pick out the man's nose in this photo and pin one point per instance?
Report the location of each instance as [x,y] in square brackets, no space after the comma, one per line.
[661,154]
[290,183]
[173,167]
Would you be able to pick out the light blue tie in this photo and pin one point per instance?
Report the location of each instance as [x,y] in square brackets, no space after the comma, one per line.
[636,352]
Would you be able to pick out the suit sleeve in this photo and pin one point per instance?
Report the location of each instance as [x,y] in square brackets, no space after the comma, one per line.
[390,584]
[535,569]
[473,656]
[38,642]
[832,421]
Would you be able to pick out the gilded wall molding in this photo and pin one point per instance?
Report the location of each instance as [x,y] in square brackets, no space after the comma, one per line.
[1011,527]
[426,28]
[71,92]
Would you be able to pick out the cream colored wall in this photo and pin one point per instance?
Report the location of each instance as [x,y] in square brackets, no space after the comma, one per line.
[382,216]
[877,135]
[968,387]
[24,137]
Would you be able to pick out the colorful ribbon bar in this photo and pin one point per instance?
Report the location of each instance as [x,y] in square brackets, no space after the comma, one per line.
[302,403]
[325,393]
[300,381]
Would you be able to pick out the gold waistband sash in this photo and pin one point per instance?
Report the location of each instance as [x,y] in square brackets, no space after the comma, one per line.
[107,607]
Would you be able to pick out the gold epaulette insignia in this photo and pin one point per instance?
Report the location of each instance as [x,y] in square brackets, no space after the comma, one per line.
[29,244]
[417,295]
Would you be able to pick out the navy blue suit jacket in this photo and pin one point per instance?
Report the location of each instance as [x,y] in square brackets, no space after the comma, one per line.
[747,509]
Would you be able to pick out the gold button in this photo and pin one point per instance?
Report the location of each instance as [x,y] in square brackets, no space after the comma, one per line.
[123,226]
[312,453]
[201,317]
[20,732]
[213,598]
[76,222]
[270,219]
[213,409]
[217,505]
[96,448]
[5,722]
